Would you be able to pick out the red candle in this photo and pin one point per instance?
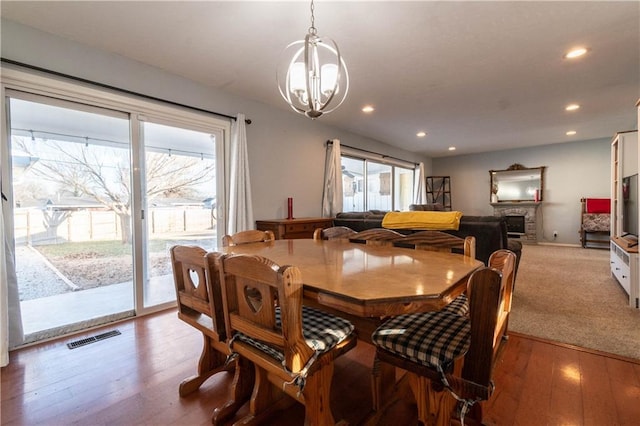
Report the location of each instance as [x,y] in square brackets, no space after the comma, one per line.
[290,208]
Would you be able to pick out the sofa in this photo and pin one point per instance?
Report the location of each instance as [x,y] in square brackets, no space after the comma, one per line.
[490,231]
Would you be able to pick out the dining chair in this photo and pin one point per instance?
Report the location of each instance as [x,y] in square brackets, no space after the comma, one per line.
[501,260]
[448,357]
[376,237]
[246,237]
[443,242]
[292,347]
[333,233]
[199,298]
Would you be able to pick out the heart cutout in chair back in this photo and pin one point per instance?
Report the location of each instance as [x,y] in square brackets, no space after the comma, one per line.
[194,277]
[253,298]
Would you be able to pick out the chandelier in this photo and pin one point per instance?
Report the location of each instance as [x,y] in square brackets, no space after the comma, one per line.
[312,76]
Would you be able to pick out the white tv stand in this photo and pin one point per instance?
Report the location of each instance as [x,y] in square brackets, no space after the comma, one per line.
[624,267]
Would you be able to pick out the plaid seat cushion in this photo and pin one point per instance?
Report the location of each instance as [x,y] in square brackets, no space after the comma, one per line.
[433,339]
[321,331]
[459,306]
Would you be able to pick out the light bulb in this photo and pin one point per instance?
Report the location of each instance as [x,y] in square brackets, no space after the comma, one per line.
[328,76]
[297,78]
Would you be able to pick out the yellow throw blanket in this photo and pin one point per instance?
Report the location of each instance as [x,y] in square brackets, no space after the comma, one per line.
[437,221]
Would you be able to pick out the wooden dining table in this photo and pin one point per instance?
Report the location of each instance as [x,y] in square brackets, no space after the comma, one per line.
[370,281]
[367,284]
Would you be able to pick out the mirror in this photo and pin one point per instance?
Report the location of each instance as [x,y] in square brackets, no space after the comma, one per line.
[517,183]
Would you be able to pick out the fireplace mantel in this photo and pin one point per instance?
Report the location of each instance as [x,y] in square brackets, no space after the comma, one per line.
[516,203]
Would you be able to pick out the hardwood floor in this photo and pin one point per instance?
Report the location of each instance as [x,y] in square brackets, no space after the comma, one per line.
[132,379]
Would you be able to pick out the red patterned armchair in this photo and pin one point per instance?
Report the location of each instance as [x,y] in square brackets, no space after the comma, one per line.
[595,219]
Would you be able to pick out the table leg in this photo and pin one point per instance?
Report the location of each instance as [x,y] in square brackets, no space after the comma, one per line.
[383,384]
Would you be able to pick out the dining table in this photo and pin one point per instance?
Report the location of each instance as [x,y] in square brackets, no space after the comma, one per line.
[366,284]
[369,281]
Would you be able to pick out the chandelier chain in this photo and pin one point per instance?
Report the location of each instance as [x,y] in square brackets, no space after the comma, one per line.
[312,29]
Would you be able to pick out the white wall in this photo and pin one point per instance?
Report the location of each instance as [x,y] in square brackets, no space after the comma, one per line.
[573,170]
[286,150]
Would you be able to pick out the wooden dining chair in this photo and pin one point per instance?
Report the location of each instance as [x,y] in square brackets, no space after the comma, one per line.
[333,233]
[199,298]
[246,237]
[443,242]
[376,237]
[501,260]
[448,357]
[440,241]
[291,346]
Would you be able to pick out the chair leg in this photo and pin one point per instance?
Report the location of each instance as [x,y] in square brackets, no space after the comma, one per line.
[266,399]
[211,362]
[317,395]
[239,393]
[435,404]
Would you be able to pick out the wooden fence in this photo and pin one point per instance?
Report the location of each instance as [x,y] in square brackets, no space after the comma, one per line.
[32,226]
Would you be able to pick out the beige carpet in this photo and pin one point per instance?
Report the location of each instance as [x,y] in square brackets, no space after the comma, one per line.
[567,294]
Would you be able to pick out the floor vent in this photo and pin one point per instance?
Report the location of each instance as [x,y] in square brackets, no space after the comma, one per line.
[92,339]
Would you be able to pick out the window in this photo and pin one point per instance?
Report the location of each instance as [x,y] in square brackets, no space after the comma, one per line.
[373,185]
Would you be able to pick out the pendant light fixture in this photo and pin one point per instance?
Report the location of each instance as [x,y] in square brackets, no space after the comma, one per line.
[312,76]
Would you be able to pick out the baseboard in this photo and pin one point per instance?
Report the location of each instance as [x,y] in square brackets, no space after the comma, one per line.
[544,243]
[575,348]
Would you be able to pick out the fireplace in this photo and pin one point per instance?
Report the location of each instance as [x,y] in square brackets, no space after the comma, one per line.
[515,224]
[521,219]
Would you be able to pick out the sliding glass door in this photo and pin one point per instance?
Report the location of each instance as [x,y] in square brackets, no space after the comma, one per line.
[180,200]
[98,193]
[71,181]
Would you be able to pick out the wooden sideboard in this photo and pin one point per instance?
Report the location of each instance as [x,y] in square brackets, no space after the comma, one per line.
[287,229]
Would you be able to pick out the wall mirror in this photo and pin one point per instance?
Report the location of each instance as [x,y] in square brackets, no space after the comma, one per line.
[517,184]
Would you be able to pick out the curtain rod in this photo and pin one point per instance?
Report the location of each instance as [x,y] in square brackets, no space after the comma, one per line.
[106,86]
[330,142]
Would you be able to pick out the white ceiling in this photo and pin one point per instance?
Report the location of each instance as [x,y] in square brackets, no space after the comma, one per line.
[481,76]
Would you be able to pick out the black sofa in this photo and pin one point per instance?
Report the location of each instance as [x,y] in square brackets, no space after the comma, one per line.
[490,231]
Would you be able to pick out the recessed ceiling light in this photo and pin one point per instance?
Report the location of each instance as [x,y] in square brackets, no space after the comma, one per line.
[452,148]
[575,53]
[572,107]
[571,133]
[421,134]
[368,108]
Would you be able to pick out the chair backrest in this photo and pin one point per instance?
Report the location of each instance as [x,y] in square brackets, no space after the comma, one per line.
[440,241]
[484,290]
[505,262]
[198,290]
[246,237]
[244,276]
[376,237]
[596,205]
[333,233]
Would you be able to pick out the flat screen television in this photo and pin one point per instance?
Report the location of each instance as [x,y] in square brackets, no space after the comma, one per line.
[630,205]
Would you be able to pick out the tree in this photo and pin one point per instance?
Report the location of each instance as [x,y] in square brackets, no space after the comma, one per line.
[103,173]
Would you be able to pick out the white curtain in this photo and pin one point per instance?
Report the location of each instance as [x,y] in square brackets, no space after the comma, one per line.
[420,194]
[332,193]
[4,303]
[10,318]
[240,206]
